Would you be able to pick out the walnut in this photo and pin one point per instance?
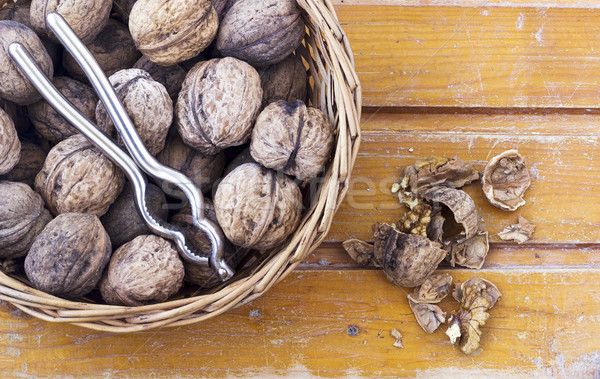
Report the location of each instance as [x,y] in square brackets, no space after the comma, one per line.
[476,297]
[123,8]
[172,31]
[292,138]
[30,163]
[147,269]
[218,104]
[123,222]
[113,49]
[86,17]
[416,220]
[360,251]
[77,177]
[519,233]
[433,290]
[10,146]
[147,103]
[285,81]
[407,259]
[171,77]
[460,204]
[505,179]
[257,208]
[203,169]
[69,255]
[243,157]
[17,11]
[222,6]
[470,252]
[261,32]
[49,123]
[14,86]
[22,218]
[429,316]
[437,172]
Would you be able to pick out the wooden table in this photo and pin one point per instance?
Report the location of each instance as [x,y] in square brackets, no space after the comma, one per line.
[471,80]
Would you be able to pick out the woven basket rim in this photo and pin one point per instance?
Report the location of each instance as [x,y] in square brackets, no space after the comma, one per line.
[337,92]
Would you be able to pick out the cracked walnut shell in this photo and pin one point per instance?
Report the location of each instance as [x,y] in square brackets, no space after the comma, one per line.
[292,138]
[77,177]
[10,146]
[505,180]
[433,290]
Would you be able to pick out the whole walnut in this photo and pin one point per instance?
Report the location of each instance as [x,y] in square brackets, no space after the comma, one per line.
[256,207]
[222,6]
[14,86]
[22,218]
[86,17]
[123,222]
[218,104]
[147,103]
[49,123]
[261,32]
[203,169]
[292,138]
[123,8]
[171,77]
[285,80]
[113,49]
[69,255]
[78,177]
[10,146]
[147,269]
[242,158]
[168,32]
[30,163]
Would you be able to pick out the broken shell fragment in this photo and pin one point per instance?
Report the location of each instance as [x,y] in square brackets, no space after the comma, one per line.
[360,251]
[433,290]
[519,233]
[429,316]
[460,204]
[470,252]
[439,172]
[505,179]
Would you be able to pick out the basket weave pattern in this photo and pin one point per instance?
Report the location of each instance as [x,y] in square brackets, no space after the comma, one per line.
[335,89]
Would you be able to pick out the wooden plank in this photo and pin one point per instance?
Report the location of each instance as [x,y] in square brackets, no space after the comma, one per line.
[587,4]
[475,56]
[545,324]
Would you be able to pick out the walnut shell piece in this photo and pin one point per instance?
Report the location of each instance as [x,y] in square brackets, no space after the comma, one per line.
[171,77]
[14,86]
[429,316]
[438,172]
[68,257]
[285,81]
[218,104]
[433,290]
[261,32]
[520,232]
[460,204]
[362,252]
[505,180]
[168,32]
[78,177]
[257,208]
[147,103]
[49,123]
[86,17]
[30,163]
[147,269]
[10,146]
[22,218]
[292,138]
[470,252]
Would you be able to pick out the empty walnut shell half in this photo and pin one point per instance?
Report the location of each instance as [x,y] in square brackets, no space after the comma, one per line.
[10,146]
[22,218]
[171,77]
[147,269]
[292,138]
[68,257]
[49,123]
[433,290]
[460,204]
[15,86]
[257,208]
[31,162]
[78,177]
[218,104]
[429,316]
[168,32]
[261,32]
[505,180]
[285,81]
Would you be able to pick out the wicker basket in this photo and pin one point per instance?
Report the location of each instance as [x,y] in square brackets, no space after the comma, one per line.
[335,89]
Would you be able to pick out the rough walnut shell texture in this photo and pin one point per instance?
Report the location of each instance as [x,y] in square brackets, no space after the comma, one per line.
[77,177]
[505,180]
[285,81]
[147,103]
[171,77]
[113,49]
[49,123]
[256,207]
[218,104]
[168,32]
[145,270]
[203,169]
[123,222]
[31,162]
[14,86]
[10,146]
[261,32]
[22,218]
[86,17]
[68,257]
[292,138]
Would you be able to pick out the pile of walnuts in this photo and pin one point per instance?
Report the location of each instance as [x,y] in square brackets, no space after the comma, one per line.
[214,89]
